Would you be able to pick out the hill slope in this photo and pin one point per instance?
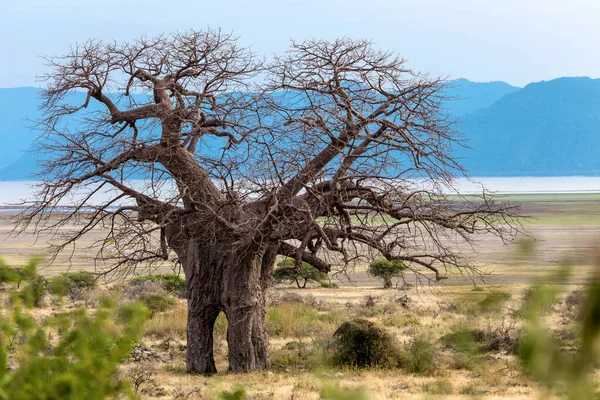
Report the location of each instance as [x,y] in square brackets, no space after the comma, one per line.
[544,129]
[18,110]
[466,97]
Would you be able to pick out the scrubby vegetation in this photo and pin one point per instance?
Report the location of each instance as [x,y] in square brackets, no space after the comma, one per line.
[392,344]
[69,355]
[386,270]
[361,343]
[75,285]
[286,273]
[172,283]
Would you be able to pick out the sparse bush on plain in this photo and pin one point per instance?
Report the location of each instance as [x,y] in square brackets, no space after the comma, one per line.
[386,270]
[142,288]
[361,343]
[575,299]
[157,302]
[238,393]
[34,292]
[172,283]
[75,285]
[307,274]
[502,336]
[370,301]
[17,275]
[418,357]
[465,340]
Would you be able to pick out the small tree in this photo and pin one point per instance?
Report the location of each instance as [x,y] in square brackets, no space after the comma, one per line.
[386,270]
[289,273]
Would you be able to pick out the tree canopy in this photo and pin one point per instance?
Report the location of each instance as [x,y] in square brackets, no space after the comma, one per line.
[334,130]
[189,148]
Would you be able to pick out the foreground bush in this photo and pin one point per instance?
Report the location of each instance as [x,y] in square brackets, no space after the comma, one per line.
[360,343]
[69,356]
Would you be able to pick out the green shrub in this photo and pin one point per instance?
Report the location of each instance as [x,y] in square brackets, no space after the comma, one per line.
[7,273]
[81,360]
[73,284]
[157,302]
[464,340]
[307,274]
[419,356]
[33,294]
[386,270]
[360,343]
[172,283]
[17,275]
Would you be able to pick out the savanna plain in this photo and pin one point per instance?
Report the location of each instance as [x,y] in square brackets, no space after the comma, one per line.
[458,339]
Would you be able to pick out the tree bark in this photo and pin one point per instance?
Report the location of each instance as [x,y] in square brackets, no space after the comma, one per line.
[234,282]
[387,283]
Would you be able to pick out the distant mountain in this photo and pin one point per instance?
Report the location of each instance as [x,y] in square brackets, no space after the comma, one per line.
[544,129]
[465,97]
[22,169]
[18,108]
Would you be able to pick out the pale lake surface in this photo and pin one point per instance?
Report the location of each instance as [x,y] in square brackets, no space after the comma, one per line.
[14,192]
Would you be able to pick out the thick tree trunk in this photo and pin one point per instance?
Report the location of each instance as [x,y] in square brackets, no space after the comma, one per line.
[220,279]
[201,320]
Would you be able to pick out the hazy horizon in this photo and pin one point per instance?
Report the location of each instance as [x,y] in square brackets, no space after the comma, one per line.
[482,41]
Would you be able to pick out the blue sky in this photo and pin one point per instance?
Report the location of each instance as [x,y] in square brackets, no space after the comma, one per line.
[515,41]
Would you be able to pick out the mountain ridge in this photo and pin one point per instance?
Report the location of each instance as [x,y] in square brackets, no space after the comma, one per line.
[512,131]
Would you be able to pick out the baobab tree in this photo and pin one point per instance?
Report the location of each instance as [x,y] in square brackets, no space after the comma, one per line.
[333,153]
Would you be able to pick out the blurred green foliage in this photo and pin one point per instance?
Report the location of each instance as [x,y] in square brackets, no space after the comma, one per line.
[542,357]
[72,355]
